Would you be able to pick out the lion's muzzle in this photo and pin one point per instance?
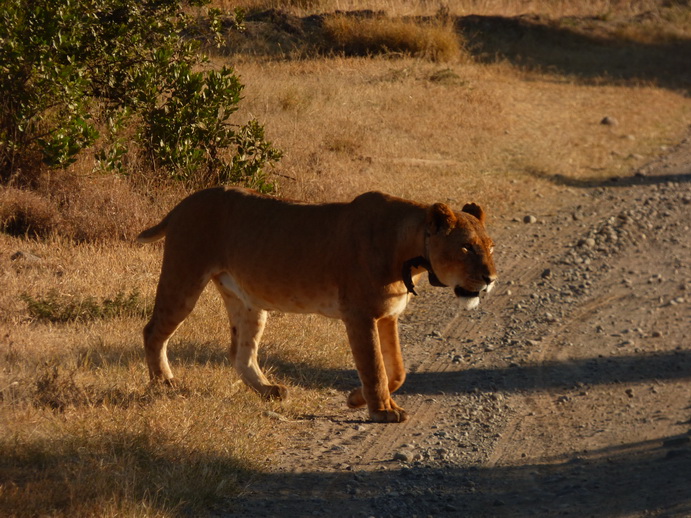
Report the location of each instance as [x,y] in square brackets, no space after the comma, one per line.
[462,292]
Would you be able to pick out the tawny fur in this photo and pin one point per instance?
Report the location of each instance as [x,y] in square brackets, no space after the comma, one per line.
[341,260]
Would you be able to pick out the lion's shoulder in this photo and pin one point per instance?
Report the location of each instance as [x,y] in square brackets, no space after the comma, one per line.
[376,200]
[371,197]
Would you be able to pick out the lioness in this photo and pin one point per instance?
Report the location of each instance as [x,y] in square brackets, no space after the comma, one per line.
[355,261]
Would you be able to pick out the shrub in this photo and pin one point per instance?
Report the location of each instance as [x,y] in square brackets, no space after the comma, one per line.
[74,72]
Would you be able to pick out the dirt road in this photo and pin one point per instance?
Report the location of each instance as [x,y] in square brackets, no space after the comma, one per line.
[567,393]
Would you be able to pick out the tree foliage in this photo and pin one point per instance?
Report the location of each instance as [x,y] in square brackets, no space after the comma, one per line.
[108,74]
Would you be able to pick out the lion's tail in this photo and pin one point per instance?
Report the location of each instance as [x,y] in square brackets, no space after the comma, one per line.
[154,233]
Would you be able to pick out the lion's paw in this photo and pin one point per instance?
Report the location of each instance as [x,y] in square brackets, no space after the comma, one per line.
[160,381]
[388,416]
[274,392]
[355,398]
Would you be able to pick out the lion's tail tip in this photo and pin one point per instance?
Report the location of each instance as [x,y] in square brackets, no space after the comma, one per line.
[153,234]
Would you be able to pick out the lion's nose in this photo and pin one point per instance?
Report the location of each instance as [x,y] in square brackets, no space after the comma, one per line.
[489,279]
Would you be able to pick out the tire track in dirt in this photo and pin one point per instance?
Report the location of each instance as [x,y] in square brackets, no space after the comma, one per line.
[615,426]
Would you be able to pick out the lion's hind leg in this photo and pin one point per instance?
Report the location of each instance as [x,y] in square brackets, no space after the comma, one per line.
[174,302]
[246,329]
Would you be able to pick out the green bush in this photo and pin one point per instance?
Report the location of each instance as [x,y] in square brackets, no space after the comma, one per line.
[107,74]
[62,309]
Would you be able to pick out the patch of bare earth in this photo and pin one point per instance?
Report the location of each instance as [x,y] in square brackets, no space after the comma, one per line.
[567,393]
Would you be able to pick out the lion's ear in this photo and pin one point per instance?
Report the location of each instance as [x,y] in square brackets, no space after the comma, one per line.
[475,210]
[440,217]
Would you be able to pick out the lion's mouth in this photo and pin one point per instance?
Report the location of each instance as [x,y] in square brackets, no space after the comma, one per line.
[462,292]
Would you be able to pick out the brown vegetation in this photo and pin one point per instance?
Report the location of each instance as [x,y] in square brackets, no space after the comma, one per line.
[81,208]
[356,36]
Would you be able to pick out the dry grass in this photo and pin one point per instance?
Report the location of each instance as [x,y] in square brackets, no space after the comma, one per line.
[426,131]
[80,207]
[82,434]
[356,36]
[27,213]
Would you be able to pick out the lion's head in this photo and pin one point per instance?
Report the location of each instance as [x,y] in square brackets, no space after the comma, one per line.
[460,252]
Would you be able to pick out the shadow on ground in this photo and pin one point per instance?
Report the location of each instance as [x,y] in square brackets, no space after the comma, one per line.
[628,480]
[72,476]
[614,181]
[675,365]
[583,48]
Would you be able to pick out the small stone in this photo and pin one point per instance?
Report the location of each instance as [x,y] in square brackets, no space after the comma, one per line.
[609,121]
[529,219]
[546,273]
[402,456]
[629,392]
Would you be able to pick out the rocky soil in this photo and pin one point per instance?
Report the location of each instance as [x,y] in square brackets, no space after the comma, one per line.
[567,393]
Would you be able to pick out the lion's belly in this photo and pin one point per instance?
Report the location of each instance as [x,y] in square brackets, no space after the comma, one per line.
[322,300]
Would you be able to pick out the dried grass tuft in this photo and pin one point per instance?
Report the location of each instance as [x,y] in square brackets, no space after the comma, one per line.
[358,36]
[80,208]
[26,213]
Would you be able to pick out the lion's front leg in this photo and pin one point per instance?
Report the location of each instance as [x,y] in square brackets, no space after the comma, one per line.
[364,342]
[393,361]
